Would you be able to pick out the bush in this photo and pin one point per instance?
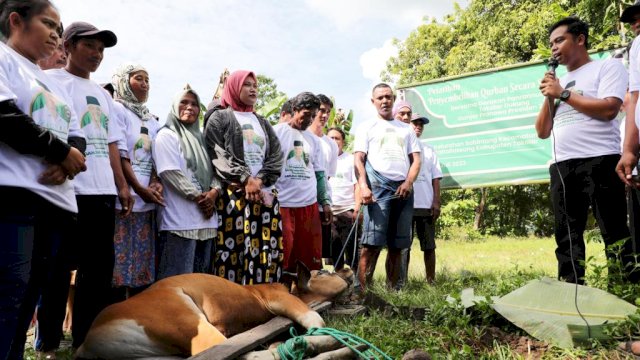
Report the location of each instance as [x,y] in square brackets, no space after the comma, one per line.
[518,210]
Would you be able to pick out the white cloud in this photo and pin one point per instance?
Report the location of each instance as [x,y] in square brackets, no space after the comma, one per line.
[295,43]
[364,109]
[373,61]
[347,14]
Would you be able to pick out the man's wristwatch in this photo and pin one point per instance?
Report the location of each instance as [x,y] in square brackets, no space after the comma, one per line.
[564,95]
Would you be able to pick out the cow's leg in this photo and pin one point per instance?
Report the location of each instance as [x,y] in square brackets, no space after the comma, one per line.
[289,306]
[129,330]
[188,328]
[207,337]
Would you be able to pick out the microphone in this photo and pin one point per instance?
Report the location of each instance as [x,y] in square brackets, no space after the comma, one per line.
[552,64]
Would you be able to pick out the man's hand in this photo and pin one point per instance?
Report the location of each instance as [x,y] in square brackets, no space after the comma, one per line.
[207,202]
[404,190]
[126,201]
[550,86]
[625,167]
[367,195]
[253,191]
[327,214]
[53,175]
[150,195]
[73,163]
[435,211]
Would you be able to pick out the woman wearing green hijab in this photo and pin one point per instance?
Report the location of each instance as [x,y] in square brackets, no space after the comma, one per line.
[188,222]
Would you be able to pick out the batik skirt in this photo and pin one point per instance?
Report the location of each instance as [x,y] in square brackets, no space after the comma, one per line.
[249,243]
[134,243]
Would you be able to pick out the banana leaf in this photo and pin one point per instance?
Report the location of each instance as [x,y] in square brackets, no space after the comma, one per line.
[546,309]
[272,107]
[468,298]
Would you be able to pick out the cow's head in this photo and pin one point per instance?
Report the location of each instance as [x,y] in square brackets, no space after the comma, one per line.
[320,285]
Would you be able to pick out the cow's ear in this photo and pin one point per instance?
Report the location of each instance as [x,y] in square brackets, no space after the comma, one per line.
[304,275]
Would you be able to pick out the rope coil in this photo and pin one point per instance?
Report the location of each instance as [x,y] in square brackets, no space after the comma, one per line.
[294,348]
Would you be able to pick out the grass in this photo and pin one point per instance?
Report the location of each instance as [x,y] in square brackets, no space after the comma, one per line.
[494,254]
[493,267]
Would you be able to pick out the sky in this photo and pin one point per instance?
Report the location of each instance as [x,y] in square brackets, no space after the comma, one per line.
[334,47]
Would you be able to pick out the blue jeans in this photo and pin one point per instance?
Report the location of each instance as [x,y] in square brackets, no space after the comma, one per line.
[35,230]
[388,220]
[16,238]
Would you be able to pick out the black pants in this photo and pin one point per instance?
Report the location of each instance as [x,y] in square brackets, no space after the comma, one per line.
[341,228]
[95,259]
[587,182]
[633,207]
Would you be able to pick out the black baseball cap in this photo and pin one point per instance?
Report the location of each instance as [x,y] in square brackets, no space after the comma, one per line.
[82,29]
[627,14]
[418,117]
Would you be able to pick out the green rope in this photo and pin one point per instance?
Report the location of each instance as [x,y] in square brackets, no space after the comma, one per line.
[294,348]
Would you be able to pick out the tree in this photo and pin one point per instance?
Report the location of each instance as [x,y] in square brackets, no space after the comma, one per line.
[270,99]
[492,33]
[488,34]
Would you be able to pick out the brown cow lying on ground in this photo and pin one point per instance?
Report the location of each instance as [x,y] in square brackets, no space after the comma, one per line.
[186,314]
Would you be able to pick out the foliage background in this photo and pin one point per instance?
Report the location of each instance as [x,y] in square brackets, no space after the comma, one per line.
[484,35]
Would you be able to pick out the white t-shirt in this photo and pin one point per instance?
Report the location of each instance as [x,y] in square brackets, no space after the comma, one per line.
[423,186]
[297,186]
[578,136]
[42,98]
[253,139]
[330,153]
[179,213]
[634,75]
[342,185]
[634,66]
[330,160]
[93,106]
[138,137]
[387,144]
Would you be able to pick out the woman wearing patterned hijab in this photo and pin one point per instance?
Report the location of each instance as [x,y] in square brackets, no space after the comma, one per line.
[188,222]
[135,234]
[246,155]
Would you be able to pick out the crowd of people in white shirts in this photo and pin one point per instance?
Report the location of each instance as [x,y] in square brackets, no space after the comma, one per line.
[96,183]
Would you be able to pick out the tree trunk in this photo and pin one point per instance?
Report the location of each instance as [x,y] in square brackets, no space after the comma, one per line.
[477,222]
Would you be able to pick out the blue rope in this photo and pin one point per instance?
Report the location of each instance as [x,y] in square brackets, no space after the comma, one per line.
[355,227]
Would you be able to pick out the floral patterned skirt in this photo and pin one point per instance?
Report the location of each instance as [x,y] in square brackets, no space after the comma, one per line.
[249,243]
[134,243]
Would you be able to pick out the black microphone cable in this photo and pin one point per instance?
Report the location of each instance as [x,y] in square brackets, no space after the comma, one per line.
[552,65]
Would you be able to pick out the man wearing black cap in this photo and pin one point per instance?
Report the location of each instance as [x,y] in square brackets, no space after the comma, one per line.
[91,248]
[426,202]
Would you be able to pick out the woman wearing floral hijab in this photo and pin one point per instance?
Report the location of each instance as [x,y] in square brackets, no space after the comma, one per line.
[246,155]
[135,234]
[188,222]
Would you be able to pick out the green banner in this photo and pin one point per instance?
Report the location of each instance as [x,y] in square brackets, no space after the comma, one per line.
[482,125]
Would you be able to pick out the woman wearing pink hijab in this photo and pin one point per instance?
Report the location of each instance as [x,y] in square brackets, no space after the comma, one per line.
[246,156]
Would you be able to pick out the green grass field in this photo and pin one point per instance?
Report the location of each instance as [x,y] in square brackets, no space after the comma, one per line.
[493,254]
[493,267]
